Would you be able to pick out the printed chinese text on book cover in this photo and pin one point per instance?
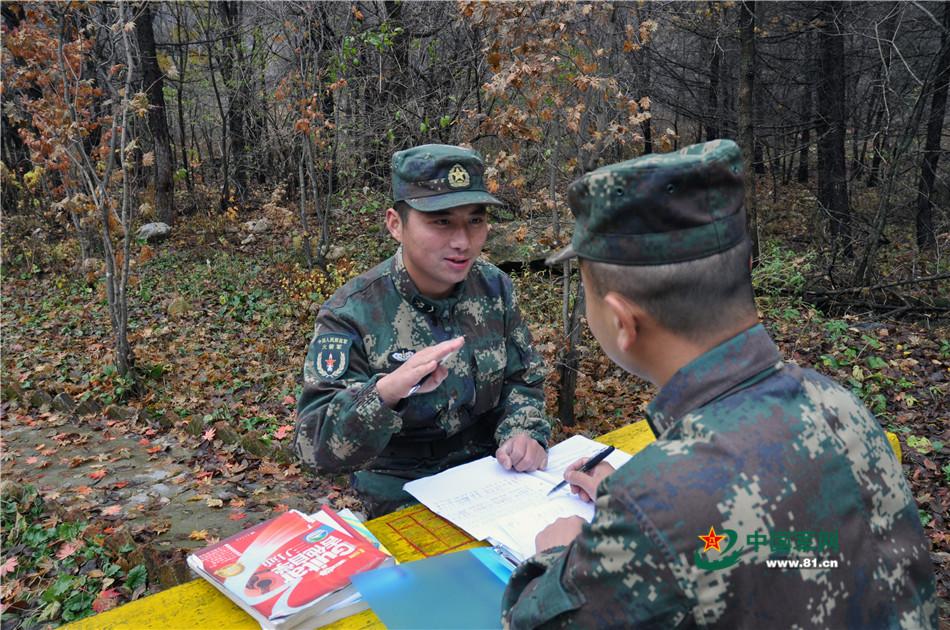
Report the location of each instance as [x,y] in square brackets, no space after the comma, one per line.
[281,566]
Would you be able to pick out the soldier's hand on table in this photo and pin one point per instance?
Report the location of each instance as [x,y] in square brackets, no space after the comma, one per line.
[584,484]
[425,363]
[522,453]
[559,533]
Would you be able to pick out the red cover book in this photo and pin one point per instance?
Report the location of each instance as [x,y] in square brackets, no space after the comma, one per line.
[289,563]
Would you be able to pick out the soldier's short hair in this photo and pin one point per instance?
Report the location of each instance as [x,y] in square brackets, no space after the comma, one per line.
[402,209]
[695,299]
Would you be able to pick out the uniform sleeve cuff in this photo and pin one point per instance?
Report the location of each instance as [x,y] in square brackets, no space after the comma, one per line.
[369,404]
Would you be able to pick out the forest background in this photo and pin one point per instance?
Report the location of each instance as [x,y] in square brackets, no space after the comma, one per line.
[260,135]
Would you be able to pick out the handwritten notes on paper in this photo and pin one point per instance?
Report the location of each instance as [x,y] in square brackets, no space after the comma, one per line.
[508,507]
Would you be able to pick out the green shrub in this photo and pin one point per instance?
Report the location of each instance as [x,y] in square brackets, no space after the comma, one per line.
[781,271]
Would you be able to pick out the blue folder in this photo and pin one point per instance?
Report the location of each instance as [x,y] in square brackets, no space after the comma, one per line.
[455,590]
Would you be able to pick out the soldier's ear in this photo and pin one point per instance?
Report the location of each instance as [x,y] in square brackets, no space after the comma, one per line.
[626,317]
[394,224]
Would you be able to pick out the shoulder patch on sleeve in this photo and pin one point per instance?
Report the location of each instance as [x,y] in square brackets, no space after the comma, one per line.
[332,355]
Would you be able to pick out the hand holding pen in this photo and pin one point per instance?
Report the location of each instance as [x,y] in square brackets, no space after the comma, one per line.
[585,475]
[421,373]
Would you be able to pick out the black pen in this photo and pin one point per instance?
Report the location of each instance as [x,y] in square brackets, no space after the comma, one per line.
[587,467]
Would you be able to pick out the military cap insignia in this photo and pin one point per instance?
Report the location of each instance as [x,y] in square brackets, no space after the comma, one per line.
[333,355]
[458,177]
[401,356]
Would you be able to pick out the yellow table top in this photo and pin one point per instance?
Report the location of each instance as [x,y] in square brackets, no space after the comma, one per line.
[410,534]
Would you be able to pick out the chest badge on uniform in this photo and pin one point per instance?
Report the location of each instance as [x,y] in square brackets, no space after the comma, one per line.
[333,355]
[458,177]
[401,356]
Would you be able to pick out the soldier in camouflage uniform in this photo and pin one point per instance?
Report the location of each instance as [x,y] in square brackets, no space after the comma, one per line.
[423,362]
[756,461]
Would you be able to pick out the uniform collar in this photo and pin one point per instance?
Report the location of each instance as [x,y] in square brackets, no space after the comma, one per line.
[709,376]
[407,289]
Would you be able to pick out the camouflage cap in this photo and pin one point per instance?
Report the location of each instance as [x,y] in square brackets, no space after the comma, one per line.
[435,177]
[659,208]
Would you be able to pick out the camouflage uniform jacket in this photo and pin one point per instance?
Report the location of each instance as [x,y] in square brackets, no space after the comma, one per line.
[493,390]
[777,458]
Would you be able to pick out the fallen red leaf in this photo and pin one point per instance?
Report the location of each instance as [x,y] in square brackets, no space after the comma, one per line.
[282,431]
[8,565]
[97,475]
[107,599]
[66,549]
[111,510]
[236,516]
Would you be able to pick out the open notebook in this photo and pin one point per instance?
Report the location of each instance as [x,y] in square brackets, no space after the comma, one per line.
[509,508]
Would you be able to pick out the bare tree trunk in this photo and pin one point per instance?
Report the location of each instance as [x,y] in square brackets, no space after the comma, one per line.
[860,157]
[97,178]
[182,132]
[304,223]
[807,109]
[225,152]
[153,87]
[832,172]
[878,147]
[570,358]
[713,130]
[747,115]
[926,237]
[886,51]
[788,157]
[647,127]
[552,192]
[236,86]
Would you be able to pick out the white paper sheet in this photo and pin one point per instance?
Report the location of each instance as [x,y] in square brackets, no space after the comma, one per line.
[510,507]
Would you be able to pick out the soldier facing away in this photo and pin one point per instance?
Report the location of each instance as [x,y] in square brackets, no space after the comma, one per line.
[770,498]
[423,362]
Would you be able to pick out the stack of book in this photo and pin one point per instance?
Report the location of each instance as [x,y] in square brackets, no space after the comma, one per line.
[294,569]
